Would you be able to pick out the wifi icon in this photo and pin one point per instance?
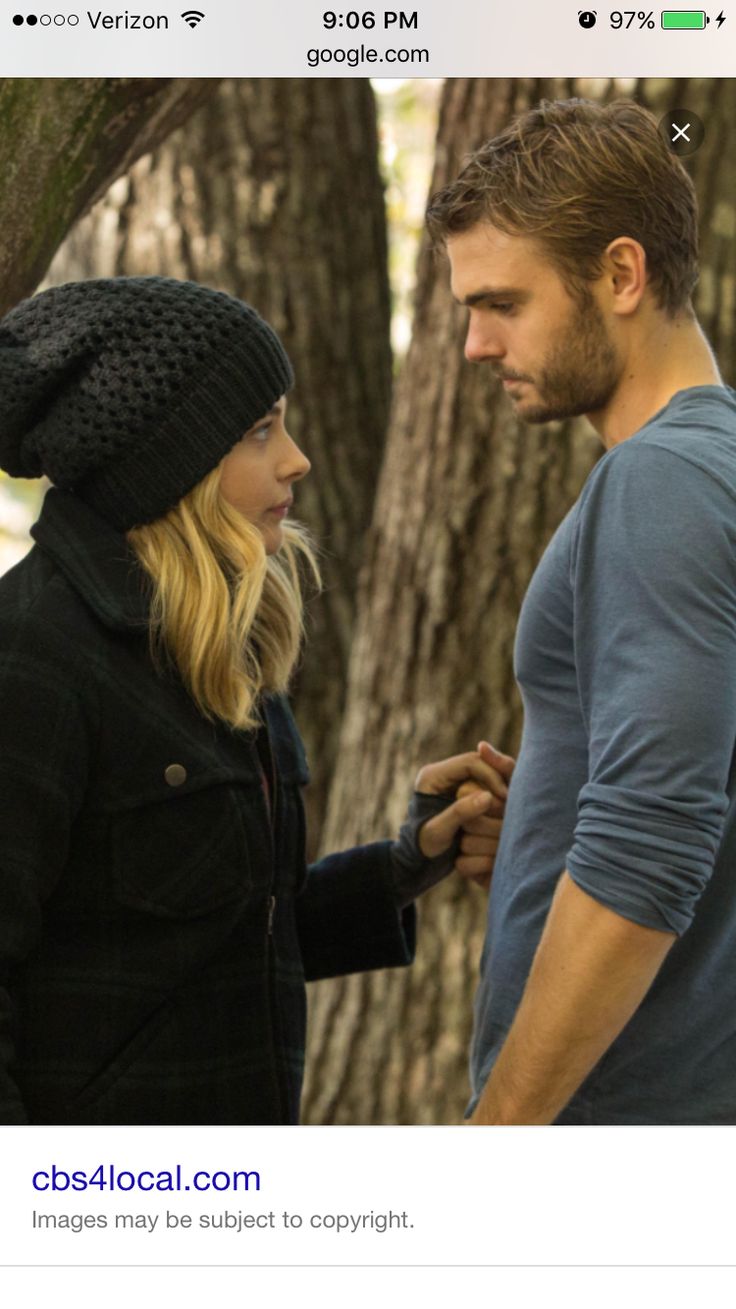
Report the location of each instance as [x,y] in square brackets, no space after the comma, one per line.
[192,17]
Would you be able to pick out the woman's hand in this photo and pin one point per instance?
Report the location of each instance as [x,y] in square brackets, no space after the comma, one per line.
[473,777]
[453,822]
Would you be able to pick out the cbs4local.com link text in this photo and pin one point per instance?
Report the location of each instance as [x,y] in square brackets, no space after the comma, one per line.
[108,1177]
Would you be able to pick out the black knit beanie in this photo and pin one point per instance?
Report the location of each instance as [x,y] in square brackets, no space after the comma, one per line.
[129,390]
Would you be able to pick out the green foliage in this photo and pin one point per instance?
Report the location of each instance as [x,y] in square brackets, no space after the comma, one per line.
[408,124]
[20,503]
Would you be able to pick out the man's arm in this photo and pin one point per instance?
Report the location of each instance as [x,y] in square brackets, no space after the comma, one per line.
[654,614]
[591,971]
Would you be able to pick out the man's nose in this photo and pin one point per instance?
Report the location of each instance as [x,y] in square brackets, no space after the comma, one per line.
[482,343]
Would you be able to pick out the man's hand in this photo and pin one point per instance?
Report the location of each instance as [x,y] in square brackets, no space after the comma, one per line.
[478,842]
[477,812]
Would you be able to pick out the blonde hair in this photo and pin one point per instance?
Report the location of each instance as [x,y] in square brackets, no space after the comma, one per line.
[229,617]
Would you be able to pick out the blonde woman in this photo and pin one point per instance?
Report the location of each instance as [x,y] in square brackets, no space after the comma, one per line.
[157,920]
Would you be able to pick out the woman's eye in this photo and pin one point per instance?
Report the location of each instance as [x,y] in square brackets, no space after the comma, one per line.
[261,433]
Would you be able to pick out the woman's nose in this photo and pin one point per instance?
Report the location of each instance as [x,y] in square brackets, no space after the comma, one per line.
[296,463]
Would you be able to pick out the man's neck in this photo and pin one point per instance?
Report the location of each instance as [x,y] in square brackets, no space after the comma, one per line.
[673,356]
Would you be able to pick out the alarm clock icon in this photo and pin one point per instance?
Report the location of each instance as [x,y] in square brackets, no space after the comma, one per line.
[587,17]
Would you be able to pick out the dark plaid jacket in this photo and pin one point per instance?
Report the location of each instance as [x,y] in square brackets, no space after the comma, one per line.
[156,925]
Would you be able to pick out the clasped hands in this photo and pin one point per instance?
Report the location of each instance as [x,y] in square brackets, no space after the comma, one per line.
[479,781]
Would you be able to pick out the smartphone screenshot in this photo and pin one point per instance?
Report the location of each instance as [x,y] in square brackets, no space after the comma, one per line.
[367,653]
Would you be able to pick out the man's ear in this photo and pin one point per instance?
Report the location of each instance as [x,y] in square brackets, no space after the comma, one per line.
[625,271]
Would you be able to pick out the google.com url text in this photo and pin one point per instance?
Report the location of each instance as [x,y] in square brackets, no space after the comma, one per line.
[354,56]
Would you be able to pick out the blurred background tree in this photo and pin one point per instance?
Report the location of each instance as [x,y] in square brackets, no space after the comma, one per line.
[62,143]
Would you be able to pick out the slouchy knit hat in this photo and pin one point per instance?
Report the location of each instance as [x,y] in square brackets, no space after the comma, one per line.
[129,390]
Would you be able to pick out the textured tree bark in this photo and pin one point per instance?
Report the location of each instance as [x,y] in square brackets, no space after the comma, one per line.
[273,193]
[467,501]
[712,170]
[62,142]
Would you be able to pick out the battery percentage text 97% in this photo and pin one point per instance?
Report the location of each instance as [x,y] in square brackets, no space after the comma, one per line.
[630,17]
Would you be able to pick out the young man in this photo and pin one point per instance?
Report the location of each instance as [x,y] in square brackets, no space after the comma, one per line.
[608,978]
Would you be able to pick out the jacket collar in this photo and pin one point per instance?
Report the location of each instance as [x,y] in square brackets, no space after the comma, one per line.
[98,562]
[95,559]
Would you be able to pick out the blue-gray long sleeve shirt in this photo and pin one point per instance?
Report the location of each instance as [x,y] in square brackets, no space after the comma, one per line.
[626,661]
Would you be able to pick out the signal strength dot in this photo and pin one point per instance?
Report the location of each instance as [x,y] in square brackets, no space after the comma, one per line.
[192,17]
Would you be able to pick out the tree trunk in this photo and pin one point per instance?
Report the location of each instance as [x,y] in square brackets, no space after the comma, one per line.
[273,193]
[467,501]
[62,142]
[713,171]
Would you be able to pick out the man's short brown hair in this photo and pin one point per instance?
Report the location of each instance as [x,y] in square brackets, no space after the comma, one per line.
[576,175]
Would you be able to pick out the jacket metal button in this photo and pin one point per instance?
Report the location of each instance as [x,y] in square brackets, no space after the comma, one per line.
[175,774]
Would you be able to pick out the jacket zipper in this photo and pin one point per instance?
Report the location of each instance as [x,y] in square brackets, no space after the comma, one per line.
[272,832]
[270,799]
[270,947]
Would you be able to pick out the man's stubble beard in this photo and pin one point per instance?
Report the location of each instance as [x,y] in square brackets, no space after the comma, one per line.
[581,372]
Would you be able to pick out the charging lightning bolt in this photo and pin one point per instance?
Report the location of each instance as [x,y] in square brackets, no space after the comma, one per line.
[720,19]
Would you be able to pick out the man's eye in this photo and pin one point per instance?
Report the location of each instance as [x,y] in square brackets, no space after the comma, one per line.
[504,308]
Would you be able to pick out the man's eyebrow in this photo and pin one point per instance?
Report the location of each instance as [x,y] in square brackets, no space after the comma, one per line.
[491,293]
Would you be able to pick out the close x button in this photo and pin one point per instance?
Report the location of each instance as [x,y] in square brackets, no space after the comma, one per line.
[683,131]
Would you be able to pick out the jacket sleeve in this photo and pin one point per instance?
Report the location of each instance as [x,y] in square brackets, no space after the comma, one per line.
[654,587]
[347,917]
[43,771]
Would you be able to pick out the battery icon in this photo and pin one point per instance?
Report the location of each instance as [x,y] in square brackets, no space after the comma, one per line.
[684,20]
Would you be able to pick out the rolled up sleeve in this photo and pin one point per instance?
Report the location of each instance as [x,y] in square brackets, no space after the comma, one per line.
[654,586]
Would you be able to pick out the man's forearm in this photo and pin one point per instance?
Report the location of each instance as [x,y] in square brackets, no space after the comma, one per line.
[591,971]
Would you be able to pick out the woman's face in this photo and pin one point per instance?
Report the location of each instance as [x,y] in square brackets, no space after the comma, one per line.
[258,473]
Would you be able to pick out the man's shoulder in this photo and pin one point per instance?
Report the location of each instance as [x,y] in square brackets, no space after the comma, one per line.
[659,506]
[687,449]
[697,428]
